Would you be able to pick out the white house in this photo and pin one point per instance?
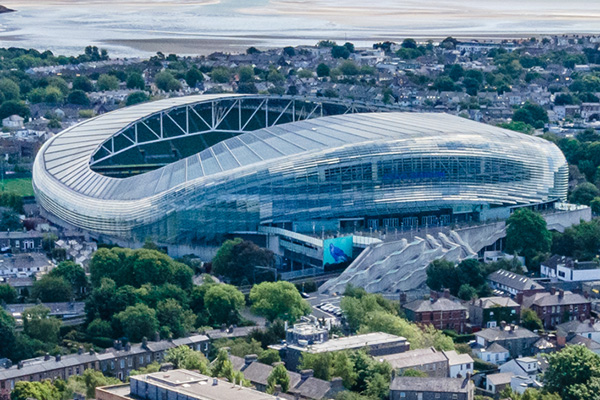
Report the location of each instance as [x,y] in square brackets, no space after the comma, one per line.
[523,366]
[494,353]
[561,268]
[13,122]
[496,383]
[520,384]
[458,364]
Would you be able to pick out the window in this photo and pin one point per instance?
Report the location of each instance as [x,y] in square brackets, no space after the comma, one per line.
[112,365]
[402,394]
[122,363]
[130,361]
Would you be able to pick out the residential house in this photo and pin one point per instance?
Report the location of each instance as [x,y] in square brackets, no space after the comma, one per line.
[520,383]
[496,383]
[556,307]
[494,353]
[21,241]
[179,384]
[522,366]
[376,343]
[13,122]
[303,385]
[441,312]
[459,365]
[117,361]
[412,388]
[24,265]
[488,312]
[506,282]
[589,328]
[434,363]
[584,341]
[66,311]
[566,269]
[517,340]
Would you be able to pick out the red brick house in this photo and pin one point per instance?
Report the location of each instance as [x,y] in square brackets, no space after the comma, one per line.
[441,312]
[556,307]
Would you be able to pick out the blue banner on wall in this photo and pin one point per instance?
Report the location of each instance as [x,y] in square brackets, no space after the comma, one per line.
[337,250]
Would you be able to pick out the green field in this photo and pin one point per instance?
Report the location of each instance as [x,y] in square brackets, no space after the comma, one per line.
[20,186]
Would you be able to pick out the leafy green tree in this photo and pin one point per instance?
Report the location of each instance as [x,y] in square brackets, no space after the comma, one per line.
[320,363]
[172,316]
[51,289]
[83,83]
[278,376]
[186,358]
[222,366]
[517,126]
[136,98]
[220,75]
[340,52]
[595,204]
[99,328]
[44,390]
[73,273]
[135,80]
[246,73]
[343,367]
[584,193]
[8,294]
[442,274]
[148,369]
[289,51]
[7,333]
[532,114]
[166,81]
[9,89]
[237,259]
[269,357]
[107,82]
[94,379]
[467,292]
[224,303]
[572,372]
[240,347]
[455,72]
[78,97]
[37,324]
[193,76]
[349,67]
[10,221]
[137,322]
[444,84]
[527,234]
[323,70]
[530,320]
[414,373]
[12,107]
[278,300]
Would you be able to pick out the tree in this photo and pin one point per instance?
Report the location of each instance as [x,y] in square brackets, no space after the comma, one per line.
[137,322]
[269,357]
[530,320]
[73,273]
[7,333]
[467,292]
[455,72]
[237,259]
[414,373]
[12,107]
[220,75]
[44,390]
[37,324]
[442,274]
[570,371]
[135,80]
[185,358]
[289,51]
[595,204]
[409,43]
[584,193]
[193,76]
[532,114]
[222,366]
[9,89]
[340,52]
[223,303]
[527,234]
[343,367]
[136,98]
[99,328]
[320,363]
[278,300]
[10,221]
[174,319]
[83,83]
[8,294]
[107,82]
[51,289]
[323,70]
[278,376]
[444,84]
[78,97]
[94,379]
[165,81]
[349,67]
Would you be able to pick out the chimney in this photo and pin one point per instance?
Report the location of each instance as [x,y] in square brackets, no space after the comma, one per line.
[306,373]
[480,302]
[144,343]
[249,359]
[561,294]
[215,382]
[337,385]
[592,321]
[552,291]
[223,327]
[277,390]
[156,337]
[402,298]
[80,350]
[433,295]
[46,356]
[512,328]
[447,293]
[502,325]
[519,298]
[58,358]
[92,352]
[128,347]
[20,365]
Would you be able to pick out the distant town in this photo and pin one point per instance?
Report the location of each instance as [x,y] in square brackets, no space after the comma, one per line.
[490,291]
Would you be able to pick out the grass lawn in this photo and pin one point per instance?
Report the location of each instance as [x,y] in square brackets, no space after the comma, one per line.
[21,186]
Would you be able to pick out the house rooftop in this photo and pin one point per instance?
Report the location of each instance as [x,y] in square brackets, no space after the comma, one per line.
[507,333]
[439,385]
[440,304]
[495,301]
[414,358]
[502,378]
[457,359]
[353,342]
[559,298]
[514,281]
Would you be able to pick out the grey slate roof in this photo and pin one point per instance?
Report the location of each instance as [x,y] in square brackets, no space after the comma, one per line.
[493,334]
[512,280]
[439,385]
[577,326]
[496,348]
[414,358]
[589,343]
[441,304]
[502,378]
[496,301]
[548,299]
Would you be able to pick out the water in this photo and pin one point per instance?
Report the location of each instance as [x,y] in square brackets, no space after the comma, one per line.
[142,27]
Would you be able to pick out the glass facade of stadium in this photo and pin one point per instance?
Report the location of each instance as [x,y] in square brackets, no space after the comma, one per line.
[190,170]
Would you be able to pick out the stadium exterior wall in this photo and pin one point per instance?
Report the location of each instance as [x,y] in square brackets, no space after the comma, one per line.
[324,169]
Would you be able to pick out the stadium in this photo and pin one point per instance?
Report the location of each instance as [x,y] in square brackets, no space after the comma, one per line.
[193,170]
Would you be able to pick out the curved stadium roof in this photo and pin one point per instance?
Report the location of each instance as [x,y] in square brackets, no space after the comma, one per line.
[67,186]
